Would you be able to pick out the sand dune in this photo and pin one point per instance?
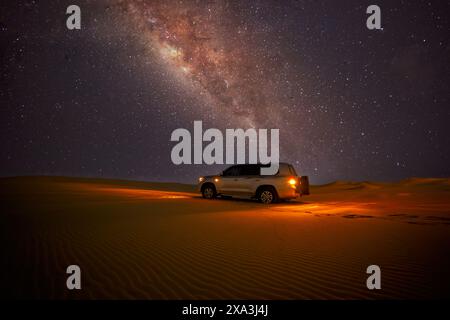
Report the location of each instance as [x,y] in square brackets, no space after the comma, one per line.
[137,240]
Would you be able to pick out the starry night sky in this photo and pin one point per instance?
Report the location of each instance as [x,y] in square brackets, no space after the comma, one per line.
[351,103]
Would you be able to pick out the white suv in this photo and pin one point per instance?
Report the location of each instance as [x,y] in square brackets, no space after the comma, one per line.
[245,180]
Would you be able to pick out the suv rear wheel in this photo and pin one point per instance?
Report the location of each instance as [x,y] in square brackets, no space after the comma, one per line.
[208,192]
[267,195]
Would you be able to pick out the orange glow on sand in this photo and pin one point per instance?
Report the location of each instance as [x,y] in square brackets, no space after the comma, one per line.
[132,192]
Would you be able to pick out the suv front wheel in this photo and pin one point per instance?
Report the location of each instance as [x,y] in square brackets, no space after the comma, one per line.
[267,195]
[208,192]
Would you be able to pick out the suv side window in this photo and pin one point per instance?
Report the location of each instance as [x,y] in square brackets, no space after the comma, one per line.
[232,171]
[250,170]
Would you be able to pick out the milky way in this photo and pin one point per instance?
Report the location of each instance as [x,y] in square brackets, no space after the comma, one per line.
[202,45]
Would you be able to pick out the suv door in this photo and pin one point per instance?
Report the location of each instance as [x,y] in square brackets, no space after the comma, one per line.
[229,180]
[250,177]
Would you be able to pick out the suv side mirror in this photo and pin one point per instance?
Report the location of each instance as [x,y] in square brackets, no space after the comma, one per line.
[221,173]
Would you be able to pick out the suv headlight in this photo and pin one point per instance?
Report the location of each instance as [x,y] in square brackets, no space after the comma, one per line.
[201,179]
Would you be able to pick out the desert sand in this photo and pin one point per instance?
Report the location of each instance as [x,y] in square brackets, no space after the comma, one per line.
[137,240]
